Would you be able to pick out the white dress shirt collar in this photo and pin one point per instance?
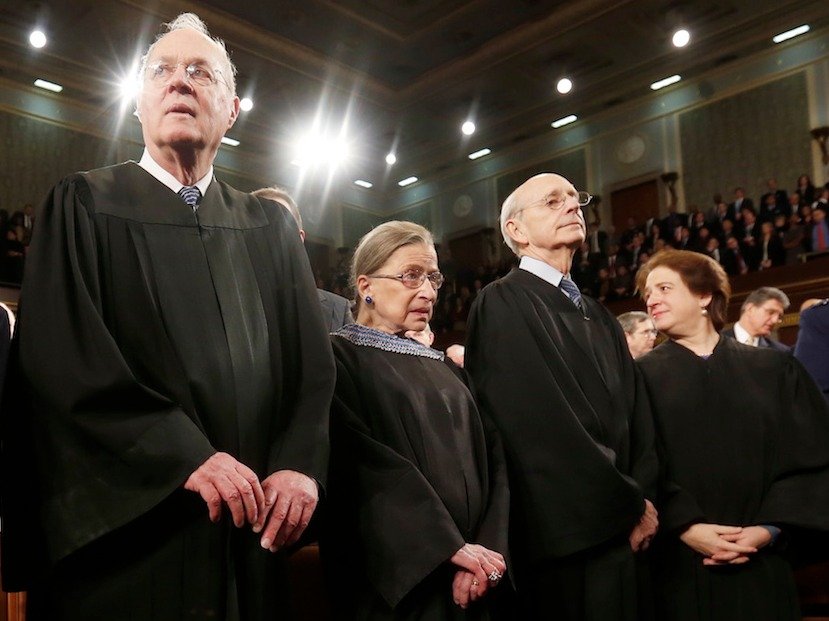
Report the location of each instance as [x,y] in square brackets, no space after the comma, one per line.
[154,168]
[543,270]
[744,337]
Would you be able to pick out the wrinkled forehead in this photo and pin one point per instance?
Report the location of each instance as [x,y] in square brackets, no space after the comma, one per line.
[543,185]
[186,44]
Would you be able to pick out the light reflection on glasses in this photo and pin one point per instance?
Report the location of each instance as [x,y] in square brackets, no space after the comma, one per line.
[160,73]
[556,201]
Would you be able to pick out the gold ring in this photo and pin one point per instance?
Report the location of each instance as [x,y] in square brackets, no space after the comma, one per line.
[475,582]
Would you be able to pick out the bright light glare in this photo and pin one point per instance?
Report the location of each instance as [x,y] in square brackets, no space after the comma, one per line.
[49,86]
[681,38]
[468,128]
[481,153]
[791,34]
[407,181]
[246,104]
[231,142]
[564,86]
[316,150]
[391,159]
[363,184]
[130,86]
[665,82]
[37,39]
[564,121]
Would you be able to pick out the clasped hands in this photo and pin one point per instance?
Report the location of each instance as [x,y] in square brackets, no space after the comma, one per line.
[478,566]
[280,507]
[725,545]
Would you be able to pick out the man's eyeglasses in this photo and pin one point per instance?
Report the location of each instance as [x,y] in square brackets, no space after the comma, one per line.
[555,201]
[414,279]
[161,73]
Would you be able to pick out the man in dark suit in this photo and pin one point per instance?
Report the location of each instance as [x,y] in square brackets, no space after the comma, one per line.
[760,313]
[740,201]
[812,347]
[780,203]
[336,310]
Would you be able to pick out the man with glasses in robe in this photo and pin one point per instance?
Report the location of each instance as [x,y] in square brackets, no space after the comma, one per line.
[551,368]
[169,431]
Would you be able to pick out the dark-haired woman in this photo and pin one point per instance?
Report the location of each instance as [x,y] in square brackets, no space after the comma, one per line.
[744,436]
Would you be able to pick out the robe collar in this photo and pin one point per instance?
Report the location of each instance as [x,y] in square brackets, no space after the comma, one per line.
[371,337]
[154,168]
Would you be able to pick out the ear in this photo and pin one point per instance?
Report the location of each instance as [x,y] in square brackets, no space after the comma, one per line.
[363,285]
[705,300]
[516,231]
[234,113]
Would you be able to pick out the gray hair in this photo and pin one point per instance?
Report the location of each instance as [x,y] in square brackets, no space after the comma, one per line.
[376,246]
[760,296]
[193,22]
[630,320]
[509,209]
[279,194]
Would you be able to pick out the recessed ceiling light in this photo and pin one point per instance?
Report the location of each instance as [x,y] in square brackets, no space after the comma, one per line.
[37,38]
[681,38]
[665,82]
[564,86]
[564,121]
[791,34]
[231,142]
[363,184]
[49,86]
[481,153]
[468,128]
[246,104]
[391,159]
[407,181]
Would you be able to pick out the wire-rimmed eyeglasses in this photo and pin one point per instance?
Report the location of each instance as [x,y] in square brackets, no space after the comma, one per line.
[414,279]
[198,73]
[557,201]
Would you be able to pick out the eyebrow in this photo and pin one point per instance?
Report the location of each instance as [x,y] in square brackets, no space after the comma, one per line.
[167,59]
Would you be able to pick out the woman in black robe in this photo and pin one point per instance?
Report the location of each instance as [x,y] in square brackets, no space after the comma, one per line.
[418,501]
[744,439]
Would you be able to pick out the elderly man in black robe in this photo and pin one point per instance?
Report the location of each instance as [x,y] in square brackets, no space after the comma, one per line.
[552,369]
[169,431]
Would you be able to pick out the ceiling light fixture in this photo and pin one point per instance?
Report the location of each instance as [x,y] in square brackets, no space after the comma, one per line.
[391,159]
[681,38]
[791,34]
[363,184]
[37,39]
[246,104]
[564,86]
[231,142]
[480,153]
[665,82]
[572,118]
[49,86]
[407,181]
[468,128]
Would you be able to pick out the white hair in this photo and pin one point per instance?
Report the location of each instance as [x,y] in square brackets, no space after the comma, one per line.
[509,209]
[194,22]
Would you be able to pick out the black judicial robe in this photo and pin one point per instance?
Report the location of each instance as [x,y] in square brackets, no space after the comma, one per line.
[566,398]
[415,474]
[151,337]
[744,438]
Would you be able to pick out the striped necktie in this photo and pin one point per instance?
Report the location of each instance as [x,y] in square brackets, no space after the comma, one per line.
[191,195]
[572,291]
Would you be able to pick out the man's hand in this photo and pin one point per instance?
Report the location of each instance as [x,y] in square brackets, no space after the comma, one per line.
[718,543]
[477,564]
[751,536]
[223,479]
[643,532]
[290,500]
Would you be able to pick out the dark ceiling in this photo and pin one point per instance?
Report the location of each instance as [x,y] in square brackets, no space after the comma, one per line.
[405,74]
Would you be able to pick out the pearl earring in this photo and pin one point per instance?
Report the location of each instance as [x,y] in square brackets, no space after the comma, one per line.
[704,311]
[369,300]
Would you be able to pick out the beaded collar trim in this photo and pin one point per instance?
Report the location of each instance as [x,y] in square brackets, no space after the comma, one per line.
[370,337]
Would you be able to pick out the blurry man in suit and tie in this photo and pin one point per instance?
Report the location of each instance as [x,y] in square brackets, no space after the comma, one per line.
[336,310]
[759,315]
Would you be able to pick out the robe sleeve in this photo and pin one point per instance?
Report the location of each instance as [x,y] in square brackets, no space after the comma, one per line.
[107,447]
[405,531]
[798,493]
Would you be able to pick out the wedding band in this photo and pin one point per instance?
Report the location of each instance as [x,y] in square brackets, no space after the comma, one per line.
[495,576]
[475,582]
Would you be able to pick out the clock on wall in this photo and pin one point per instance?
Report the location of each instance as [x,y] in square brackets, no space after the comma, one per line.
[462,206]
[631,149]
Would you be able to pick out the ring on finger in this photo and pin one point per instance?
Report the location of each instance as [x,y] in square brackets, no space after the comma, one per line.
[475,582]
[494,576]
